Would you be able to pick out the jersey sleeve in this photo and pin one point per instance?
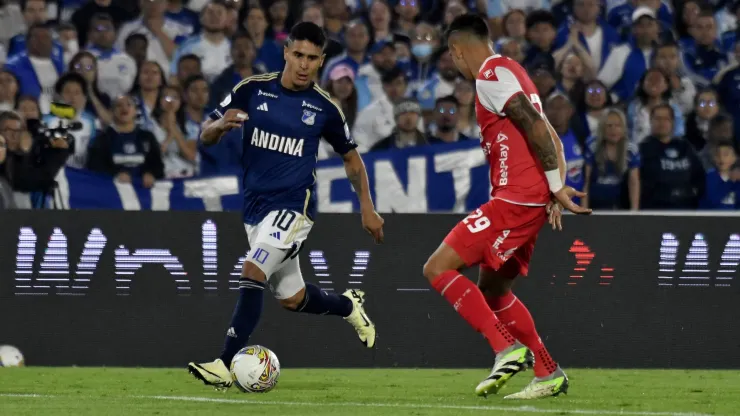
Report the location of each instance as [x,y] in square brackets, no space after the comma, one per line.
[336,131]
[495,87]
[238,98]
[588,153]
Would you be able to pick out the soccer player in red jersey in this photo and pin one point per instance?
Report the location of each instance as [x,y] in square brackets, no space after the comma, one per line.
[527,174]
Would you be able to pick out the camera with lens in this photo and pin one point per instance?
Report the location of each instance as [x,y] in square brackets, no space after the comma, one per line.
[44,135]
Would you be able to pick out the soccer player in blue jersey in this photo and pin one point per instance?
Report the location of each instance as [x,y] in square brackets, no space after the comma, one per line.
[283,116]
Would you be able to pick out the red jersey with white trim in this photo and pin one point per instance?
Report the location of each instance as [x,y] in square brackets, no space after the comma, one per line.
[516,173]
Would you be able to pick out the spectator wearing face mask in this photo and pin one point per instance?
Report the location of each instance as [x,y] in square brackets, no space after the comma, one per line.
[368,82]
[424,42]
[407,114]
[126,151]
[441,84]
[445,117]
[357,38]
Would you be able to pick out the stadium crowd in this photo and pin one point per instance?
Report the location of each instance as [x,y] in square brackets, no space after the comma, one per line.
[644,93]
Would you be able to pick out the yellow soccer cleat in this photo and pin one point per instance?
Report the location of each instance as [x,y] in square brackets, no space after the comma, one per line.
[359,319]
[214,374]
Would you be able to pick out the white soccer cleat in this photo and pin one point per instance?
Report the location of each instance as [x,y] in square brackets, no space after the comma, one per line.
[359,319]
[552,385]
[214,374]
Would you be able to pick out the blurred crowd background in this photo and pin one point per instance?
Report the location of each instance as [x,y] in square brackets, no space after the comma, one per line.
[645,94]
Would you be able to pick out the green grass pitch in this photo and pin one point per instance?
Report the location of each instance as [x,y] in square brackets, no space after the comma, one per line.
[308,392]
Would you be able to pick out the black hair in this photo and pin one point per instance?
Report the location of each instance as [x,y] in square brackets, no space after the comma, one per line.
[66,26]
[669,44]
[37,26]
[642,95]
[189,57]
[447,99]
[136,36]
[70,77]
[724,143]
[540,16]
[105,17]
[720,119]
[469,23]
[136,88]
[392,74]
[308,31]
[663,106]
[191,80]
[241,34]
[24,3]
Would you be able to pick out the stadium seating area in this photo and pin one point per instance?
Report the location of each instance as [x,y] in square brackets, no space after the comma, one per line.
[644,93]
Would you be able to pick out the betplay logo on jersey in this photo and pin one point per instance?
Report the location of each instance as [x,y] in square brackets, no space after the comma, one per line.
[266,94]
[311,106]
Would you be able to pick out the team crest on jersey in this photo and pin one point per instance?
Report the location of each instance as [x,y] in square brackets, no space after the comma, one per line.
[488,74]
[309,117]
[129,148]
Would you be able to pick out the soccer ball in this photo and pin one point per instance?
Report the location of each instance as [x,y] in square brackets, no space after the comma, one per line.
[10,356]
[255,369]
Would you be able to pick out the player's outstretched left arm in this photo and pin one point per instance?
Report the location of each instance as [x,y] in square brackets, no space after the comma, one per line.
[372,222]
[521,111]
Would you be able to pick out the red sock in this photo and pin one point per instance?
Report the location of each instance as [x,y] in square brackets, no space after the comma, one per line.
[518,321]
[469,302]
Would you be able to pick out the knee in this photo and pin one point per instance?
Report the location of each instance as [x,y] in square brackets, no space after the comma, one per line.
[431,270]
[294,302]
[251,271]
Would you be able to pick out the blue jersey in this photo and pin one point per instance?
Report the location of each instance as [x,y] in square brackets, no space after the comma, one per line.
[281,142]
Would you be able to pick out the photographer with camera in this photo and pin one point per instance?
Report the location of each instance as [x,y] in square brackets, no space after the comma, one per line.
[125,150]
[72,89]
[34,157]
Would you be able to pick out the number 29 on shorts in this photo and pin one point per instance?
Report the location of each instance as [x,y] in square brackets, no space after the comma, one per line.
[479,222]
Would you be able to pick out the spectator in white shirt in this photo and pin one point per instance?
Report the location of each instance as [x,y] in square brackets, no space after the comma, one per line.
[178,153]
[211,46]
[116,70]
[161,32]
[98,103]
[145,92]
[377,120]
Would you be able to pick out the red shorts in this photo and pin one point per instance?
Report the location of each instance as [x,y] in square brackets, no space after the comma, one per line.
[497,232]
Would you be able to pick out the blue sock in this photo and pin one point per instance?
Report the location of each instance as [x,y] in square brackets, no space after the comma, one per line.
[319,302]
[246,315]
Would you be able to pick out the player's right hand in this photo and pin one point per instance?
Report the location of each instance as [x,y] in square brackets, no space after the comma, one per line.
[564,195]
[233,119]
[372,222]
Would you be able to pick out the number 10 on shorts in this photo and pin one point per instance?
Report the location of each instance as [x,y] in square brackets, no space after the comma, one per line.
[480,222]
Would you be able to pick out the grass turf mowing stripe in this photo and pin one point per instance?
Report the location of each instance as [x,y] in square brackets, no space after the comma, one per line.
[523,409]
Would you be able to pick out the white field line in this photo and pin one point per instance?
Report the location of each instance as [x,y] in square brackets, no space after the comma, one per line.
[521,409]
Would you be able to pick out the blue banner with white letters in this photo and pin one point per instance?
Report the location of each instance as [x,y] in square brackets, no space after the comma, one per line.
[440,178]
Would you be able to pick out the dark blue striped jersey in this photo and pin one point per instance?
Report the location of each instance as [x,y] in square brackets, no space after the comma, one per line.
[281,143]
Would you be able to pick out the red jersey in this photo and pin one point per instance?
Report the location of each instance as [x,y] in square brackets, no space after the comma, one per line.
[516,173]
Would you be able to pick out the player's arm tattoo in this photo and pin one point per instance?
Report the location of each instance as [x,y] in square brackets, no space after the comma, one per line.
[357,176]
[521,111]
